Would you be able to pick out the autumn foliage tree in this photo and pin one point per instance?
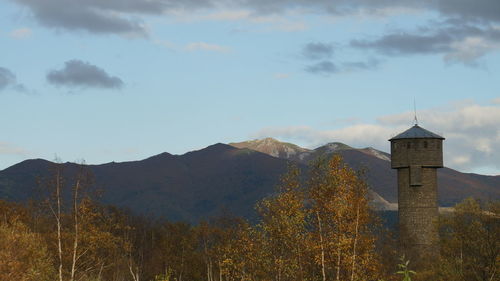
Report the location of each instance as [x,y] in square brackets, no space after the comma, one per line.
[24,255]
[342,224]
[284,229]
[316,225]
[84,238]
[319,229]
[470,244]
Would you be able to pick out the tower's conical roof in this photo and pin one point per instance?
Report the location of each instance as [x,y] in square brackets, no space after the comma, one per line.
[417,132]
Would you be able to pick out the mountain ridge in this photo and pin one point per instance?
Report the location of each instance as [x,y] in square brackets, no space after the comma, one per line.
[453,185]
[199,183]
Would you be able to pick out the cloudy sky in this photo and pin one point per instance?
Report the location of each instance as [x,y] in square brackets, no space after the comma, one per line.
[121,80]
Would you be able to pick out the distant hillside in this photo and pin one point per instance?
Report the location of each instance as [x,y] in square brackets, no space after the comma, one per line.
[454,186]
[187,187]
[201,183]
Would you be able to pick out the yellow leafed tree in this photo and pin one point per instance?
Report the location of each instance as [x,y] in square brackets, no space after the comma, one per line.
[342,223]
[284,229]
[23,254]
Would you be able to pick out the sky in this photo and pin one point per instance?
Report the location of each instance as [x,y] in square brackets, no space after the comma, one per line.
[123,80]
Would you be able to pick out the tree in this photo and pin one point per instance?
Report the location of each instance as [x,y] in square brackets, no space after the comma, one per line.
[85,238]
[314,227]
[284,228]
[23,254]
[470,245]
[101,247]
[228,248]
[342,222]
[55,205]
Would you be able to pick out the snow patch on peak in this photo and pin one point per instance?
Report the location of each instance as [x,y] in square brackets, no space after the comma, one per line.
[267,141]
[331,147]
[335,146]
[273,147]
[378,154]
[289,152]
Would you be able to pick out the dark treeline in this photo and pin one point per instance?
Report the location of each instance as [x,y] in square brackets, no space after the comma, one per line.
[318,229]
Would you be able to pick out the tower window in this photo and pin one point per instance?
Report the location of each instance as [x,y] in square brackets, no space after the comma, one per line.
[425,144]
[408,145]
[415,175]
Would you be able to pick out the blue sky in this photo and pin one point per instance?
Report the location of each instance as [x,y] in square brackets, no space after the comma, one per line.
[126,79]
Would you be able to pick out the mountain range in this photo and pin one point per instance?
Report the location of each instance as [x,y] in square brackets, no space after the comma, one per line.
[233,177]
[454,186]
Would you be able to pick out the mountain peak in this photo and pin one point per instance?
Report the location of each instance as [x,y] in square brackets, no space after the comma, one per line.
[263,141]
[157,157]
[273,147]
[268,139]
[29,164]
[214,148]
[333,147]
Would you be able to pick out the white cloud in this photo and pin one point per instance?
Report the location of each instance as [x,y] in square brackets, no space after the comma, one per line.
[128,16]
[9,149]
[291,21]
[472,133]
[281,75]
[470,49]
[203,46]
[165,43]
[21,33]
[460,160]
[286,23]
[193,47]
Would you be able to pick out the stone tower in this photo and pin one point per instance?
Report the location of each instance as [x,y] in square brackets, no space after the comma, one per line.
[416,154]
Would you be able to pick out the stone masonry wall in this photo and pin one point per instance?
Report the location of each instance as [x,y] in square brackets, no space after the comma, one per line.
[422,152]
[418,214]
[417,161]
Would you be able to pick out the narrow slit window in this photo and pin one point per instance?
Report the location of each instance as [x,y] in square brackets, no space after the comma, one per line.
[415,175]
